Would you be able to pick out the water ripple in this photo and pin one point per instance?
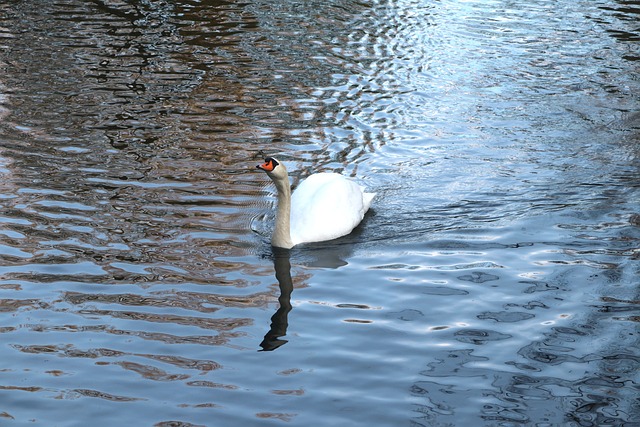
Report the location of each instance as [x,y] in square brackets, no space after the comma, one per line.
[498,266]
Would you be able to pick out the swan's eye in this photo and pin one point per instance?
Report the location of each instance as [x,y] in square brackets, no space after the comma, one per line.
[271,162]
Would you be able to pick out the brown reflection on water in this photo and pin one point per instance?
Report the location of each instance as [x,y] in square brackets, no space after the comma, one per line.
[163,106]
[128,132]
[127,143]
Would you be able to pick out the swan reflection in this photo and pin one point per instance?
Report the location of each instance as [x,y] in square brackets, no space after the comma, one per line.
[321,255]
[280,320]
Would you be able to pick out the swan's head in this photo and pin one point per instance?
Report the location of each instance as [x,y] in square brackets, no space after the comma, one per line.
[273,168]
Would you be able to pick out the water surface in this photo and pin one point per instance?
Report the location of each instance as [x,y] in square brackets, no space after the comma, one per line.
[493,283]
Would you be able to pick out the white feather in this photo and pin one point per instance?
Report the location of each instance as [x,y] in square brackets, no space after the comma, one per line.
[326,206]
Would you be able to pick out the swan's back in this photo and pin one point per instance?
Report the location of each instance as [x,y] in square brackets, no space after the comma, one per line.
[326,206]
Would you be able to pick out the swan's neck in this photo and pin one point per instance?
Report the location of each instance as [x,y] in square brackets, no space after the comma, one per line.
[281,237]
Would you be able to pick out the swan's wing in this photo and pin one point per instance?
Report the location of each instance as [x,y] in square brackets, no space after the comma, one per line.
[326,206]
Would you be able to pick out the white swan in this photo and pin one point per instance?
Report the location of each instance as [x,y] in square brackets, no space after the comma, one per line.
[325,206]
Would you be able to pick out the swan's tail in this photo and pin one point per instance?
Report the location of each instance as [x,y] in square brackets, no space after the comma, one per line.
[366,199]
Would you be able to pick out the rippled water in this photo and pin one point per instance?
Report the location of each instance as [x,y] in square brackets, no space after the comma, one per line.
[494,282]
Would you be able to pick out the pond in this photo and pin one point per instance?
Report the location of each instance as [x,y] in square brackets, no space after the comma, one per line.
[494,282]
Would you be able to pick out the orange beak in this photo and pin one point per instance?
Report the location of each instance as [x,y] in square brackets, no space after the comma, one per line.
[267,166]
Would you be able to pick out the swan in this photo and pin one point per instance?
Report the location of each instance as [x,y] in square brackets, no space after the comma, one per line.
[325,206]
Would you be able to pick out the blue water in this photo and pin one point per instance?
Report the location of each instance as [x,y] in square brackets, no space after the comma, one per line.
[493,283]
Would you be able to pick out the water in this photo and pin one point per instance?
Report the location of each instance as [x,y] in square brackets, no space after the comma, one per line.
[494,282]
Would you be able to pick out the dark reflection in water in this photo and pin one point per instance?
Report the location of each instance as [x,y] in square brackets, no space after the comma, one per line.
[318,255]
[280,320]
[495,282]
